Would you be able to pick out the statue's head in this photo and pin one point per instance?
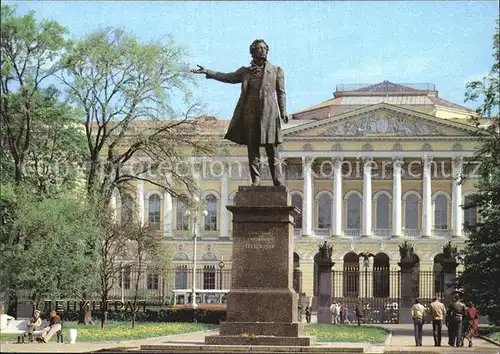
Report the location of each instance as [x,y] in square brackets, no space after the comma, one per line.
[259,49]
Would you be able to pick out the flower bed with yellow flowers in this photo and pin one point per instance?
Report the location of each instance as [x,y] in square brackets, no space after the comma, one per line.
[346,333]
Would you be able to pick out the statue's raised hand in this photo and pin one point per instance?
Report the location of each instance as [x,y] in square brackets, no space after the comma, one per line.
[200,70]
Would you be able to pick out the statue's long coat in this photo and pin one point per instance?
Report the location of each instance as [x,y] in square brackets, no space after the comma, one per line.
[272,101]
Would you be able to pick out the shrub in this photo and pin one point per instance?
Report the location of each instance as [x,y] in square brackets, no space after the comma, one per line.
[213,316]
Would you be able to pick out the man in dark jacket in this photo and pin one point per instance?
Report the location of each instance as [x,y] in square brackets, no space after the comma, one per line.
[262,103]
[456,312]
[359,312]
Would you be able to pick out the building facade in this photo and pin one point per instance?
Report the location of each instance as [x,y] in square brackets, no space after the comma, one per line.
[368,169]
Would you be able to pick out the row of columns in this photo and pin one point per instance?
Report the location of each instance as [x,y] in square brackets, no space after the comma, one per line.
[307,210]
[308,198]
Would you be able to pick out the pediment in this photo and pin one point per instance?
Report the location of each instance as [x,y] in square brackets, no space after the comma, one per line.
[380,120]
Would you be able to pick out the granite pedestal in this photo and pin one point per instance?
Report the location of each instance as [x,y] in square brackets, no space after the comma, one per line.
[449,279]
[407,291]
[324,291]
[261,304]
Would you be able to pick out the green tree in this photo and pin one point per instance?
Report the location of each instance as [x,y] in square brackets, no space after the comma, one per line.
[118,82]
[29,55]
[50,254]
[56,155]
[481,276]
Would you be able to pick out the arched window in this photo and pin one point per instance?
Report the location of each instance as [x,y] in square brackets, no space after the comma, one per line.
[382,217]
[354,212]
[154,211]
[324,211]
[351,275]
[297,202]
[438,276]
[381,275]
[441,213]
[181,217]
[211,217]
[127,211]
[411,212]
[470,212]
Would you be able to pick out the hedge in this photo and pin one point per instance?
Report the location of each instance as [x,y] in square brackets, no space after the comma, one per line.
[164,315]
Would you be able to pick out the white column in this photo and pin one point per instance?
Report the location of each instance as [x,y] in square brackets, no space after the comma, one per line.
[337,196]
[140,202]
[112,205]
[367,197]
[396,197]
[307,209]
[167,208]
[224,196]
[426,197]
[457,199]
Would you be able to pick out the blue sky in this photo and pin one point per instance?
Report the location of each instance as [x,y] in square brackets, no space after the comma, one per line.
[318,44]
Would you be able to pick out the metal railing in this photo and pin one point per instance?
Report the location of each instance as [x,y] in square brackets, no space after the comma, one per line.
[385,233]
[322,232]
[411,232]
[387,86]
[441,232]
[352,232]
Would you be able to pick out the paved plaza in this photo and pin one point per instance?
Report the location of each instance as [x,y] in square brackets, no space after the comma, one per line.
[401,341]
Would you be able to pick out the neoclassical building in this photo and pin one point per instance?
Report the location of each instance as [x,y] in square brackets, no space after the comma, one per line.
[369,168]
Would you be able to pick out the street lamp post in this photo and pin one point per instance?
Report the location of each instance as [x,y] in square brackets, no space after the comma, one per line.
[221,267]
[194,305]
[193,290]
[366,262]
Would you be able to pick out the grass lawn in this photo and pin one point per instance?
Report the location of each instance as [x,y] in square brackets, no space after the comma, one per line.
[346,333]
[120,331]
[490,332]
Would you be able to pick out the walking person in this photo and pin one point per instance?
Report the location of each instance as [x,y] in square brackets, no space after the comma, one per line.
[456,311]
[346,314]
[334,311]
[359,312]
[417,314]
[438,312]
[471,324]
[308,314]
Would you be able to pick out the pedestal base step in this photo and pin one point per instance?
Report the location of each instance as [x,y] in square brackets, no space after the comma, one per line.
[239,349]
[261,340]
[276,329]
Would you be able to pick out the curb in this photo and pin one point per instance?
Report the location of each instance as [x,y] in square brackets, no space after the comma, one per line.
[488,339]
[388,339]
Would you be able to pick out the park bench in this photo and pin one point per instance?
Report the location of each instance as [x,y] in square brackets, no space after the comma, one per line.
[20,327]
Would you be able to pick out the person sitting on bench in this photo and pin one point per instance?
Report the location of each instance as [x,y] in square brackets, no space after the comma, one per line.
[34,324]
[54,326]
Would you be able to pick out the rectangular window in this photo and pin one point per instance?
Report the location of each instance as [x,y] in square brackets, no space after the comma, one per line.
[181,277]
[153,281]
[209,277]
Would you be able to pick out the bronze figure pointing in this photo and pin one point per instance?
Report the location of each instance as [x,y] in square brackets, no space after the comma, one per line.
[256,118]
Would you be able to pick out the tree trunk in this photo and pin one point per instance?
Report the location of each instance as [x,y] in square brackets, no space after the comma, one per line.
[85,316]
